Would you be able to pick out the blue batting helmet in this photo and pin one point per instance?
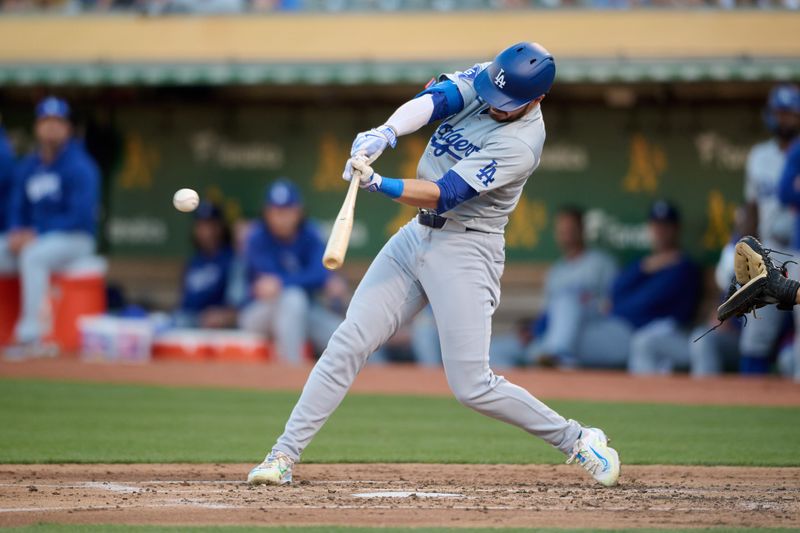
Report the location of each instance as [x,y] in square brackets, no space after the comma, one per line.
[785,97]
[517,75]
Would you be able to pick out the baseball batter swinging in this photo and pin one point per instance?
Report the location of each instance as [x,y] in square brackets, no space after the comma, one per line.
[451,255]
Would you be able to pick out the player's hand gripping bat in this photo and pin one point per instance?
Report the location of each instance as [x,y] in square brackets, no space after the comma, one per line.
[343,225]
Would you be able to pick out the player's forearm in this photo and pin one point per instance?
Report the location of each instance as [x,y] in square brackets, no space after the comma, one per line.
[412,115]
[419,193]
[416,193]
[443,195]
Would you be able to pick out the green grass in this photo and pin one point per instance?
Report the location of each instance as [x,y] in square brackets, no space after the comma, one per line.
[57,528]
[44,422]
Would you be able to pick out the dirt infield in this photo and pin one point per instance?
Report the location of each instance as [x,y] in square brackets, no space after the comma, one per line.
[408,379]
[378,495]
[407,494]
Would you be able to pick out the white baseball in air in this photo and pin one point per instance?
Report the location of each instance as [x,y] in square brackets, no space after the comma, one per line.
[186,200]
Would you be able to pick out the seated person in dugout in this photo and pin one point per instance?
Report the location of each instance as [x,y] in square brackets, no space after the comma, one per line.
[207,278]
[644,327]
[52,217]
[658,296]
[767,219]
[718,350]
[575,294]
[7,162]
[759,282]
[284,272]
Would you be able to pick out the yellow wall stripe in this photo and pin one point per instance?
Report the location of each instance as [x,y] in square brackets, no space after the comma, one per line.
[399,37]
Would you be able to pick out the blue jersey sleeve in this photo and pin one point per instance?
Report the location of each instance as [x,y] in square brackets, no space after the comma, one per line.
[82,181]
[453,190]
[788,190]
[18,215]
[447,99]
[258,259]
[640,297]
[312,275]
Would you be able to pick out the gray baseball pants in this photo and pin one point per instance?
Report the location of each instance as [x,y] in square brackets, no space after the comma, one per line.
[458,272]
[48,253]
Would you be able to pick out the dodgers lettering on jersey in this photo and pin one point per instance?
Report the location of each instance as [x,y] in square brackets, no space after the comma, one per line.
[205,281]
[451,141]
[60,195]
[763,173]
[43,185]
[203,277]
[494,158]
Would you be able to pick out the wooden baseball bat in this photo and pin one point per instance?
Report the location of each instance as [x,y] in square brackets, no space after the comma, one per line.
[342,227]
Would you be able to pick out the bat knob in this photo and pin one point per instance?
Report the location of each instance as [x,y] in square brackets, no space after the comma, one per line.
[332,263]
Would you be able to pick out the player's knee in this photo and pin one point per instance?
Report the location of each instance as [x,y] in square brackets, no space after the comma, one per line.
[467,388]
[644,356]
[353,341]
[255,318]
[294,301]
[465,396]
[642,343]
[32,255]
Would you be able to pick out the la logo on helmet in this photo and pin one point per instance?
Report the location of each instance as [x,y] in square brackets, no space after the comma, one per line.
[500,79]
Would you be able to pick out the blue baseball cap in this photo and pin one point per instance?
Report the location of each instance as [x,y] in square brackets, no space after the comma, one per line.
[664,211]
[283,193]
[52,107]
[785,97]
[208,211]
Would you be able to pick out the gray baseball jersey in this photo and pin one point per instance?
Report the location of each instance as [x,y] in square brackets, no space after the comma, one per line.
[775,226]
[495,158]
[590,274]
[456,271]
[763,172]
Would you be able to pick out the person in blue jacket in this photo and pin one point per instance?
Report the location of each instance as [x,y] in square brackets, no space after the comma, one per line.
[283,264]
[789,194]
[789,186]
[7,162]
[206,300]
[52,214]
[658,296]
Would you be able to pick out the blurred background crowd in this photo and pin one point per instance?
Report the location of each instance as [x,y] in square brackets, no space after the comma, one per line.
[158,7]
[266,276]
[619,252]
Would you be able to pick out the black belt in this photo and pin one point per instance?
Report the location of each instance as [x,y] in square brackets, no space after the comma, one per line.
[432,220]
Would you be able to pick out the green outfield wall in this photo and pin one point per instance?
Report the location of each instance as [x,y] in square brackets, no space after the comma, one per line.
[612,161]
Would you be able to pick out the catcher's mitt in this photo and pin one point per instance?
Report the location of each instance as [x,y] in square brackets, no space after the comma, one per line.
[757,282]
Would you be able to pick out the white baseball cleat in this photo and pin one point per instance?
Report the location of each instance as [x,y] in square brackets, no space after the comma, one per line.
[276,469]
[592,452]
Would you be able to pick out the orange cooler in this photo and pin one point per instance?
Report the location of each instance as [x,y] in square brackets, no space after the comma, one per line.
[74,293]
[9,307]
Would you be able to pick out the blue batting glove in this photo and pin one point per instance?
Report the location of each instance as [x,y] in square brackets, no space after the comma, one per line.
[372,143]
